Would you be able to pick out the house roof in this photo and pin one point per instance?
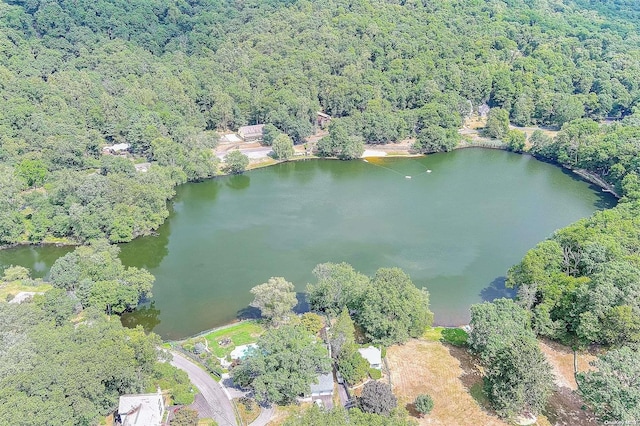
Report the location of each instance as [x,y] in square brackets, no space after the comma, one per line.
[117,147]
[372,355]
[323,115]
[242,351]
[325,384]
[142,410]
[254,130]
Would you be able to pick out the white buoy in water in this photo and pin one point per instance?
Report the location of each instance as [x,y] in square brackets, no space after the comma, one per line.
[407,177]
[428,171]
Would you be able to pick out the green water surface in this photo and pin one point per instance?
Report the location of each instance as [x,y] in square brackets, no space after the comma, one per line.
[455,230]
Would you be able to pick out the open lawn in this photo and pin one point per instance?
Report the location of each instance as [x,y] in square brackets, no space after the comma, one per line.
[454,335]
[240,334]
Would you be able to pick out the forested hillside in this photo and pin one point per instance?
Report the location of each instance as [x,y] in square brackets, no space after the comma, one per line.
[162,76]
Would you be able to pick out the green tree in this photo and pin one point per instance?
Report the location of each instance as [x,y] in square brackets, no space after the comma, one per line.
[282,147]
[98,278]
[15,273]
[378,398]
[269,134]
[436,139]
[276,299]
[236,162]
[339,286]
[519,379]
[612,389]
[489,321]
[497,123]
[394,308]
[32,172]
[516,140]
[312,322]
[340,143]
[342,334]
[74,373]
[423,403]
[353,367]
[288,361]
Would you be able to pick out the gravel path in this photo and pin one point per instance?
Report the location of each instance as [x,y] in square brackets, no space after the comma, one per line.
[211,391]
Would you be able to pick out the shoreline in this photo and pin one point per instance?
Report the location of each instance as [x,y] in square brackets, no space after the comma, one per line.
[397,150]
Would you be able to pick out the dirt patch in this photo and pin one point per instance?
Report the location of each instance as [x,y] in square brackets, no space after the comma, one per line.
[448,374]
[561,359]
[565,405]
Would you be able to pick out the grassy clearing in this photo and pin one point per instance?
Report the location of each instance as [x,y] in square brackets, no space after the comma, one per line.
[240,334]
[16,287]
[455,336]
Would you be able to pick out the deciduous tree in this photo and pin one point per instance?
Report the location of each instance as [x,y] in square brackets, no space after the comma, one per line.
[276,299]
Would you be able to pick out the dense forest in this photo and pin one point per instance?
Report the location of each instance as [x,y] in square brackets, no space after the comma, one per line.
[163,76]
[63,360]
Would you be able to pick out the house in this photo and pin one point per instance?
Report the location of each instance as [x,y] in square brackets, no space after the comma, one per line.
[251,133]
[322,392]
[323,119]
[242,351]
[141,410]
[373,356]
[324,386]
[116,149]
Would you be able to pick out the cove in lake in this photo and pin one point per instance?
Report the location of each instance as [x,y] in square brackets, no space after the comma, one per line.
[455,230]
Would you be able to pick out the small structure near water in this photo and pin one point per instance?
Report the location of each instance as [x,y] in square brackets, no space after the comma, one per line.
[251,133]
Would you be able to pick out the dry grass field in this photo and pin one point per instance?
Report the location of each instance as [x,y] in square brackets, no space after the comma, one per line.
[454,381]
[445,372]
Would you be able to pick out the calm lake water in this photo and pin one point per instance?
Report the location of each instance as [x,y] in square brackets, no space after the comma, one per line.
[455,230]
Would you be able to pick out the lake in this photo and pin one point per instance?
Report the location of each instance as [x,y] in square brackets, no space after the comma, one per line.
[455,230]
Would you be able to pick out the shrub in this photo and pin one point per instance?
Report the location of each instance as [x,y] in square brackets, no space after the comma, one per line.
[375,374]
[377,398]
[424,404]
[199,348]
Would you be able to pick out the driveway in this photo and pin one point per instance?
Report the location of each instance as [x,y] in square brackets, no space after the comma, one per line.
[210,390]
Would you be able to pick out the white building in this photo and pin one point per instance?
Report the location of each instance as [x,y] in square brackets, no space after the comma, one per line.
[373,356]
[141,410]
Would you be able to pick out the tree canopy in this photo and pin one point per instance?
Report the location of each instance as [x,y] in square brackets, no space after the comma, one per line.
[613,389]
[581,286]
[287,361]
[276,299]
[61,372]
[518,378]
[96,276]
[79,76]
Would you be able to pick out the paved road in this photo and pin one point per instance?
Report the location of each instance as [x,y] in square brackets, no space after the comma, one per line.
[210,390]
[265,416]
